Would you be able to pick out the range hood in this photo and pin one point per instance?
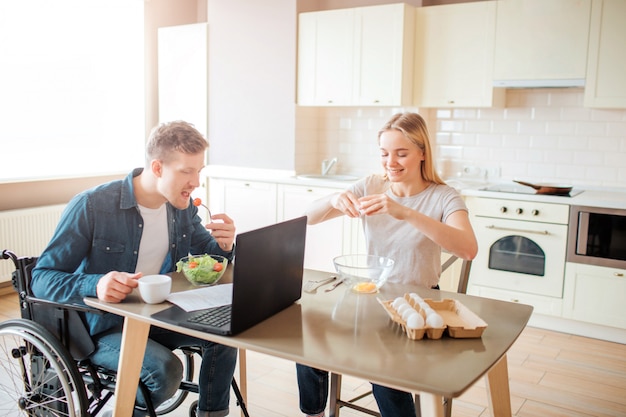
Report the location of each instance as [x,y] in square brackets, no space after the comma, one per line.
[561,83]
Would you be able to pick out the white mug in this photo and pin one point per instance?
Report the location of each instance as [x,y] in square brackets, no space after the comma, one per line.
[154,289]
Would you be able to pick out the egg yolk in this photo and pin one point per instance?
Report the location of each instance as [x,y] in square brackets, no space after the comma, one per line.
[365,287]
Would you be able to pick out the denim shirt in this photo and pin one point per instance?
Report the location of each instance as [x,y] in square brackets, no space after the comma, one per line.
[99,232]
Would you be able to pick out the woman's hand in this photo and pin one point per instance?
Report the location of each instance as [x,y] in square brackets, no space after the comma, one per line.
[347,203]
[381,204]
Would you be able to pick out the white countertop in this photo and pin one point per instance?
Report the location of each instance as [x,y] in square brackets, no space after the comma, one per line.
[593,197]
[274,176]
[615,199]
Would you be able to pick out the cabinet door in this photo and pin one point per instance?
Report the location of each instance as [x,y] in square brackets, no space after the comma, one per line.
[250,204]
[324,241]
[454,56]
[384,55]
[606,65]
[541,40]
[325,57]
[595,294]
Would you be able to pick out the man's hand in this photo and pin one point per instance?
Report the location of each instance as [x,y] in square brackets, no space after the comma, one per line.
[115,286]
[223,232]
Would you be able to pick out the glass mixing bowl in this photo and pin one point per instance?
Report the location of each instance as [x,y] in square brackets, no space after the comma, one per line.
[363,273]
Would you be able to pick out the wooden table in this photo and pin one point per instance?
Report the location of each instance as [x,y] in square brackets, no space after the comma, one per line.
[351,334]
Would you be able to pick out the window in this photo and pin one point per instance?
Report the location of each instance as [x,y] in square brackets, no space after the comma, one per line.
[71,87]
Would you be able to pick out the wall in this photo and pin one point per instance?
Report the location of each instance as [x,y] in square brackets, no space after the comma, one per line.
[541,135]
[252,56]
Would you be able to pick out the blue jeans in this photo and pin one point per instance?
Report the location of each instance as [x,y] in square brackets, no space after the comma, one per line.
[162,371]
[313,389]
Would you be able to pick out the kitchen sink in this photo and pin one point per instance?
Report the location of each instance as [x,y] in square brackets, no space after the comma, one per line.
[329,177]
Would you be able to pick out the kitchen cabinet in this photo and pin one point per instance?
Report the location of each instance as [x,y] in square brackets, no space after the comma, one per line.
[385,56]
[454,56]
[595,294]
[326,240]
[357,56]
[250,204]
[606,64]
[325,57]
[538,40]
[541,305]
[254,204]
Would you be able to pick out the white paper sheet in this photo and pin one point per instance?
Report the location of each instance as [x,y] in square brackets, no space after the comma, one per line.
[201,298]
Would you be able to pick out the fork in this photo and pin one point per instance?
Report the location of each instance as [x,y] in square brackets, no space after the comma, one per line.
[335,285]
[312,285]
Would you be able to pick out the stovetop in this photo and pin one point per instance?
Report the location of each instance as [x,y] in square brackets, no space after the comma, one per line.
[522,189]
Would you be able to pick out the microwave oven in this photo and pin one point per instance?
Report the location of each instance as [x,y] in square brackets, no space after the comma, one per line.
[597,236]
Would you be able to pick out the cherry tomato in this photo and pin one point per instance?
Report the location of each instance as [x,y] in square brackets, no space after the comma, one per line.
[193,265]
[197,202]
[218,267]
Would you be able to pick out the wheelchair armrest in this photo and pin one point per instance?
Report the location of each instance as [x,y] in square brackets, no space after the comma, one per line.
[75,307]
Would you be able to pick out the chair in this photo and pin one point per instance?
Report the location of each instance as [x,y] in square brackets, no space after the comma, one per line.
[336,403]
[44,360]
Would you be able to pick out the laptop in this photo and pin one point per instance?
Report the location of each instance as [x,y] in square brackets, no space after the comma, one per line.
[267,278]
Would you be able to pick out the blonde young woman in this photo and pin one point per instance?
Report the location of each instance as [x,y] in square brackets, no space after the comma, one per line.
[409,214]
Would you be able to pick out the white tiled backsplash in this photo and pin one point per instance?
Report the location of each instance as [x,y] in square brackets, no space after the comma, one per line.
[541,135]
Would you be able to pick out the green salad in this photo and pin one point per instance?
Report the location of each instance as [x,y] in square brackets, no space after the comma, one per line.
[202,269]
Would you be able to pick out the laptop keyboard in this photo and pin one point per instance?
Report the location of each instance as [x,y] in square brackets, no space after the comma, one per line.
[216,317]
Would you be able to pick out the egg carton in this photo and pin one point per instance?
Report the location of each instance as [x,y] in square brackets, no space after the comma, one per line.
[459,321]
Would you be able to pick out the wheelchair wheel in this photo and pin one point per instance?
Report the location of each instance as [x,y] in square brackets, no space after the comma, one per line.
[38,377]
[187,358]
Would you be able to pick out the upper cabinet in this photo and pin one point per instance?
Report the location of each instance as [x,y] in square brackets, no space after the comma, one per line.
[606,65]
[454,56]
[359,56]
[325,57]
[541,43]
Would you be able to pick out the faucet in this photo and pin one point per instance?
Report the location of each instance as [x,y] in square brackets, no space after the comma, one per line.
[327,164]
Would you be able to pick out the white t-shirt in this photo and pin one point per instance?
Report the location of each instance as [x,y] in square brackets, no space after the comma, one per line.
[154,244]
[417,258]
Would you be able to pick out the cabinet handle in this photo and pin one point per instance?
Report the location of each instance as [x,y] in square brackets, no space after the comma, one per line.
[511,229]
[515,300]
[450,101]
[618,274]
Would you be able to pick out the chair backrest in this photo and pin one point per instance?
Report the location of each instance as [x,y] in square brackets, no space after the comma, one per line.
[463,273]
[60,319]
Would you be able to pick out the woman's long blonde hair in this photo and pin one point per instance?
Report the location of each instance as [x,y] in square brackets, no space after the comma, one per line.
[414,128]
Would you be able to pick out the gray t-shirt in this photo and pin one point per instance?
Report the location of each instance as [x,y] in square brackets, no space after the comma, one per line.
[417,258]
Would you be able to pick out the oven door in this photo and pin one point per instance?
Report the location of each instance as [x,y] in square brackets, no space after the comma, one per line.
[520,256]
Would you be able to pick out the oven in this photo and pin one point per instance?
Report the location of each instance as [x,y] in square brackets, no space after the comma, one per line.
[597,236]
[521,245]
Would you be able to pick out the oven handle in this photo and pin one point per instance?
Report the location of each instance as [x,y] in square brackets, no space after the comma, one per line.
[510,229]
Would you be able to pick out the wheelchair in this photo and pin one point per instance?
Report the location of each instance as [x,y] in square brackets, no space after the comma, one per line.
[44,360]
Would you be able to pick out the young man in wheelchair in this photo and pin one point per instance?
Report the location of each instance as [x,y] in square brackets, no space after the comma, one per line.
[111,235]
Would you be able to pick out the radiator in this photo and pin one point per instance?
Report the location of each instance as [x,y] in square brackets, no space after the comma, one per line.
[26,232]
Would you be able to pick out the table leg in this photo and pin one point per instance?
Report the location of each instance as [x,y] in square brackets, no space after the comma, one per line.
[498,389]
[134,340]
[243,378]
[335,394]
[431,405]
